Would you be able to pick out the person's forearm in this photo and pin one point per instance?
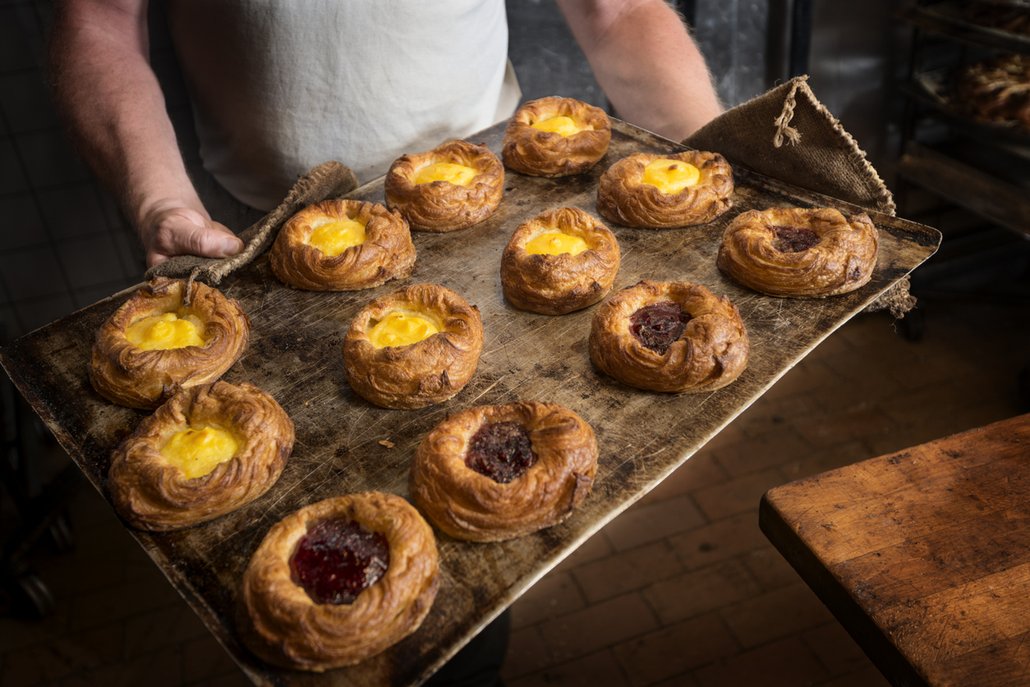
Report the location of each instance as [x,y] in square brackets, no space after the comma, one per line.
[646,62]
[113,105]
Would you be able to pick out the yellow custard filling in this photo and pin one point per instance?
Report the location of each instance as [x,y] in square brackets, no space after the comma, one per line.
[165,331]
[671,176]
[555,243]
[402,328]
[562,125]
[451,172]
[336,236]
[198,451]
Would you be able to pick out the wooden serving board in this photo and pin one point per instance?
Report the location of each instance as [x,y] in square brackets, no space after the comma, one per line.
[295,354]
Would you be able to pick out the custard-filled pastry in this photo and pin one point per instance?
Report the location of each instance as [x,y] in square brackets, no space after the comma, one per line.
[205,452]
[556,137]
[155,343]
[669,336]
[342,245]
[491,473]
[560,261]
[339,581]
[799,252]
[453,186]
[413,347]
[665,191]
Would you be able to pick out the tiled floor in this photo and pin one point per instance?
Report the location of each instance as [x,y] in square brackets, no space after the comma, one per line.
[682,589]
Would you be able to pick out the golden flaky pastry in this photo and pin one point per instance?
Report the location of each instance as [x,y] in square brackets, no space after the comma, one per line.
[414,347]
[559,261]
[453,186]
[155,343]
[339,581]
[496,472]
[799,252]
[669,336]
[665,191]
[205,452]
[342,245]
[556,137]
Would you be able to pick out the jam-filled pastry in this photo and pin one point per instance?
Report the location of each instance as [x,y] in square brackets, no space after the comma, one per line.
[669,336]
[205,452]
[155,343]
[453,186]
[414,347]
[799,252]
[665,191]
[342,245]
[491,473]
[560,261]
[339,581]
[556,137]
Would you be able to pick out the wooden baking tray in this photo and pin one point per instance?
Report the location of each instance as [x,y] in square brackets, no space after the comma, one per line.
[295,354]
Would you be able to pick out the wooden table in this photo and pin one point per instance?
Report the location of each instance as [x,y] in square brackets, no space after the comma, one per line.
[923,555]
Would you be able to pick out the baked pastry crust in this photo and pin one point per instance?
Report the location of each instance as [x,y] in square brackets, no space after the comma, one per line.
[623,198]
[468,505]
[287,628]
[152,494]
[843,259]
[130,376]
[387,252]
[420,374]
[549,154]
[563,283]
[440,206]
[711,352]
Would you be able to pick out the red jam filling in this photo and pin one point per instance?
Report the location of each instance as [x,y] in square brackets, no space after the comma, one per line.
[501,451]
[338,559]
[793,239]
[658,326]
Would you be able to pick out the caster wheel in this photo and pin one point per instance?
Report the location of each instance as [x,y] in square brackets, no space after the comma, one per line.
[912,326]
[30,598]
[62,539]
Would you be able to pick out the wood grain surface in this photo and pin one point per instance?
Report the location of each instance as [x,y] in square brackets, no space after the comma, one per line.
[923,555]
[295,355]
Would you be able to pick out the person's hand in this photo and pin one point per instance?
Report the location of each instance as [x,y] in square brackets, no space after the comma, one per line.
[171,228]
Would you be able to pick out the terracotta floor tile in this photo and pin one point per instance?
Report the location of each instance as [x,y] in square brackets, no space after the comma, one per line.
[595,627]
[556,594]
[700,591]
[527,653]
[626,571]
[599,669]
[719,540]
[738,495]
[700,470]
[647,522]
[786,663]
[776,614]
[676,649]
[770,449]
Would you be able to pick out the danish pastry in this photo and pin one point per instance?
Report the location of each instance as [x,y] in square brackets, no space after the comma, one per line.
[560,261]
[154,343]
[496,472]
[799,252]
[205,452]
[556,137]
[453,186]
[339,581]
[665,191]
[413,347]
[669,336]
[342,245]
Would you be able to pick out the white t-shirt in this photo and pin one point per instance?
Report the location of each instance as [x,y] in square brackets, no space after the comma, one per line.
[279,86]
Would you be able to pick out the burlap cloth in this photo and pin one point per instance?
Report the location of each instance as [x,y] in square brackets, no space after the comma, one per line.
[785,133]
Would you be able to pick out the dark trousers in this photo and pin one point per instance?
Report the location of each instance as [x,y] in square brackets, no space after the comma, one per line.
[478,664]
